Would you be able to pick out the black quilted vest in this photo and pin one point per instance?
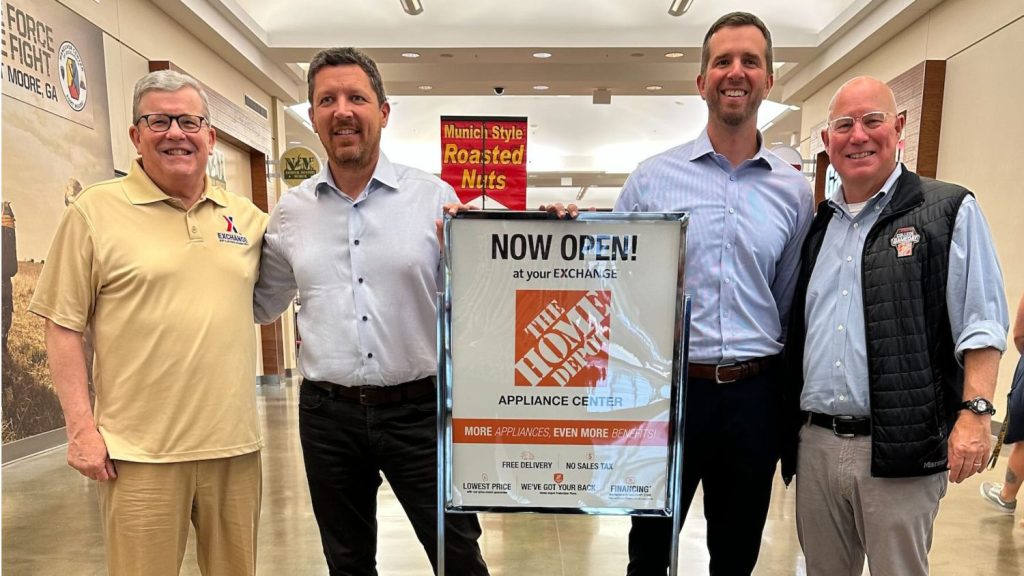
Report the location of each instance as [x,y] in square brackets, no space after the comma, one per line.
[915,382]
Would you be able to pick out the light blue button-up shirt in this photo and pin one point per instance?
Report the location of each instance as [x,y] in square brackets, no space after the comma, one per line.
[742,244]
[367,270]
[835,359]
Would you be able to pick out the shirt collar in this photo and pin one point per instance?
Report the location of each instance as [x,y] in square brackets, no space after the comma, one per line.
[838,199]
[141,189]
[702,147]
[383,173]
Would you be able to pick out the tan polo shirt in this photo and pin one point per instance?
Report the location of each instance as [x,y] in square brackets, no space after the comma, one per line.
[168,293]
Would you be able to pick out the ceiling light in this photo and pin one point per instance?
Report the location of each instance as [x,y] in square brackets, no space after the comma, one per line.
[426,87]
[410,54]
[541,87]
[542,55]
[654,88]
[673,54]
[794,107]
[679,7]
[637,54]
[412,7]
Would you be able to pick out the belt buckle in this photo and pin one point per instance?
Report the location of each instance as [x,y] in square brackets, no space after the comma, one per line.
[362,396]
[836,432]
[718,378]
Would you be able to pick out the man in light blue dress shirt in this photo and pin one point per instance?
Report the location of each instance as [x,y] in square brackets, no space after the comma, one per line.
[898,324]
[749,211]
[359,243]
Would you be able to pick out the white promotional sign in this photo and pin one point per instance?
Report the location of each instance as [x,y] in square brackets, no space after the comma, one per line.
[563,360]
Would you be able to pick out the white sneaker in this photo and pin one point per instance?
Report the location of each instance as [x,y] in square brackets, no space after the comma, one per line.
[990,491]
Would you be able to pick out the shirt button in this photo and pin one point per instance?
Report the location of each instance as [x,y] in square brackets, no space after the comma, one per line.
[848,258]
[360,280]
[370,355]
[726,280]
[195,230]
[365,318]
[838,363]
[728,246]
[842,397]
[856,225]
[841,328]
[732,210]
[845,292]
[356,242]
[732,178]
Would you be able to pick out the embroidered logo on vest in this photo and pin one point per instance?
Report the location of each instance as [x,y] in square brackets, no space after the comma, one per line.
[903,241]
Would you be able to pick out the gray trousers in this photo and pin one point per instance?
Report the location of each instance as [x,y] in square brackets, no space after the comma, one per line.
[842,513]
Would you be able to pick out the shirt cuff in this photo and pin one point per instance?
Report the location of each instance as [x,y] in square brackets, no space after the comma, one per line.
[983,334]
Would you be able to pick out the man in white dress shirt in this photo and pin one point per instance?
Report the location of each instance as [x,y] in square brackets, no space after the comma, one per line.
[358,241]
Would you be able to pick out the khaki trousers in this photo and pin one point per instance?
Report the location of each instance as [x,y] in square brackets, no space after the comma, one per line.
[147,509]
[843,514]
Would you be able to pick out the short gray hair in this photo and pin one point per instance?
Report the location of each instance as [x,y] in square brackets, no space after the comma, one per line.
[167,81]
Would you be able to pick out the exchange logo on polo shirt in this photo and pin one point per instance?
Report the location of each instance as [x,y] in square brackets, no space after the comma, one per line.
[562,337]
[232,235]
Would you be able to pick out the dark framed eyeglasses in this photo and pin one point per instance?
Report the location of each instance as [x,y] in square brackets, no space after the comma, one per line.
[870,121]
[162,122]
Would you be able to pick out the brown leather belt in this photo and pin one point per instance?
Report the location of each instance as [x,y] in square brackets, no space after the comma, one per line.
[376,395]
[842,426]
[726,373]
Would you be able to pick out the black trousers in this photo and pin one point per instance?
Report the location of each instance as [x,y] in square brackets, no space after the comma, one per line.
[731,445]
[346,447]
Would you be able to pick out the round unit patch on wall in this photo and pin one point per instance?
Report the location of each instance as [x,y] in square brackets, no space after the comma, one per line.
[72,75]
[298,164]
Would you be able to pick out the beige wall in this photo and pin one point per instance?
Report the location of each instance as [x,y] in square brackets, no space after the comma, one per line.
[950,28]
[981,123]
[981,148]
[236,169]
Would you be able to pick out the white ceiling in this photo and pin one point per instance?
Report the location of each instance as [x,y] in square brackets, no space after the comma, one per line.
[467,47]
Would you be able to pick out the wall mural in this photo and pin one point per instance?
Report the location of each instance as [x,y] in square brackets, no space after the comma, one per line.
[56,131]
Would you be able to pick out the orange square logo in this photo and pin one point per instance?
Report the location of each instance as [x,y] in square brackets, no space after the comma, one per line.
[562,337]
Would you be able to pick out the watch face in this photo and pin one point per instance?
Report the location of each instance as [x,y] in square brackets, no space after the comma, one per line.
[980,406]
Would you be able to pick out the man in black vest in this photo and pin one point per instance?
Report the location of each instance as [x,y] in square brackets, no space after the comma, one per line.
[898,324]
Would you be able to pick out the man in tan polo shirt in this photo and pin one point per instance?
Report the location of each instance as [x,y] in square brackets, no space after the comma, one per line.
[161,265]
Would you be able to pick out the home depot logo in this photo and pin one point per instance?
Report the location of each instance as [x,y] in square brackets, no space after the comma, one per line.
[562,337]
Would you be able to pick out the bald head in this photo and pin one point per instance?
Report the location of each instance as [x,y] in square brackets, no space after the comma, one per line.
[865,86]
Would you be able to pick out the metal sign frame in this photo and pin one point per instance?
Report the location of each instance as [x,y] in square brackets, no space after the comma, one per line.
[678,378]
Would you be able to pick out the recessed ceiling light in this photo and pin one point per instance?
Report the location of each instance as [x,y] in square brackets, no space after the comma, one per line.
[794,107]
[654,88]
[542,55]
[426,87]
[673,54]
[540,87]
[410,54]
[637,54]
[294,142]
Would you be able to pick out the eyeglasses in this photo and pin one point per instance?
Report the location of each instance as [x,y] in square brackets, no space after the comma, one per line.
[870,121]
[162,122]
